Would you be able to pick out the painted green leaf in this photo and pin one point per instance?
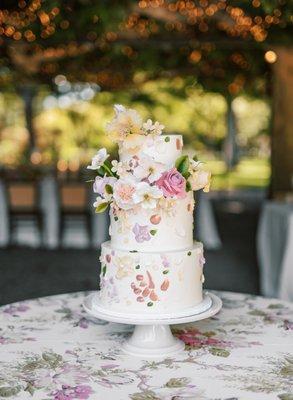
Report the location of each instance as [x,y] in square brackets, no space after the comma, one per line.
[150,304]
[137,267]
[104,269]
[219,352]
[153,232]
[167,139]
[102,207]
[166,271]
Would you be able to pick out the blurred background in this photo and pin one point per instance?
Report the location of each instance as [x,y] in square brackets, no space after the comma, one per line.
[218,72]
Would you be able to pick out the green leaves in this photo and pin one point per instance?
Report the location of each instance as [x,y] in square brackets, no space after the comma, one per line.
[104,269]
[101,207]
[153,232]
[108,189]
[182,166]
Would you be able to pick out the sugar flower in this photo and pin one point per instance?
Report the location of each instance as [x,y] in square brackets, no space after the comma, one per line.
[199,178]
[172,183]
[131,142]
[123,193]
[121,168]
[100,183]
[99,201]
[147,195]
[99,159]
[148,169]
[125,122]
[153,128]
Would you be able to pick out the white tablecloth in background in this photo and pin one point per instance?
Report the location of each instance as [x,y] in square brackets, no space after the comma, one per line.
[272,244]
[286,279]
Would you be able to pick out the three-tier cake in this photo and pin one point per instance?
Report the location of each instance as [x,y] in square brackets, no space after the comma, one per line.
[151,264]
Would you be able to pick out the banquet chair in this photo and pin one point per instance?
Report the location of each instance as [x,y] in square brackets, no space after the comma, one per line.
[74,205]
[23,200]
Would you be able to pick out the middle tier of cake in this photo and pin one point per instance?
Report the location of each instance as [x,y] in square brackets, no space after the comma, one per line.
[167,227]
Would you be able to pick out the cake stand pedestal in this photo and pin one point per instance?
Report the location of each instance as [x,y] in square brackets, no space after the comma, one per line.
[152,336]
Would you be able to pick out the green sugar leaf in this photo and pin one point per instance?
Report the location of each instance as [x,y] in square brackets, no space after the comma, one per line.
[153,232]
[108,189]
[102,207]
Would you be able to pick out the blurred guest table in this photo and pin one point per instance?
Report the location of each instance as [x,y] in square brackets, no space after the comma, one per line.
[274,244]
[50,349]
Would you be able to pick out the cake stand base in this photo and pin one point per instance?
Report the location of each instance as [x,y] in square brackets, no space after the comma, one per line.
[152,341]
[152,336]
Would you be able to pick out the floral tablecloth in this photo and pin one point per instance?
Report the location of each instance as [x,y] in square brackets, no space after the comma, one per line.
[50,349]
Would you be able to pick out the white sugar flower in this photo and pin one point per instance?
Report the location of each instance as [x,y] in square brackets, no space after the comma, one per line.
[134,141]
[147,168]
[99,159]
[119,108]
[99,201]
[123,193]
[125,122]
[121,168]
[199,178]
[147,195]
[153,128]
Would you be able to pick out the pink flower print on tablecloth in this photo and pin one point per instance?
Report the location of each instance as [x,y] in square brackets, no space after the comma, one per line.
[81,392]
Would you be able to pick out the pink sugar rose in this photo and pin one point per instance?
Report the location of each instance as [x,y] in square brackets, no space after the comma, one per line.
[172,183]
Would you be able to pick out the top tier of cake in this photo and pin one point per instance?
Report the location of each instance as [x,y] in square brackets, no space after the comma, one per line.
[168,226]
[150,188]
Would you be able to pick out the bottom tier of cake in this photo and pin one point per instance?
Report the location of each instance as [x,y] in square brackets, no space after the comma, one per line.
[136,282]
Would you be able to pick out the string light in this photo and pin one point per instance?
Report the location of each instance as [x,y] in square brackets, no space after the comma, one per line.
[271,57]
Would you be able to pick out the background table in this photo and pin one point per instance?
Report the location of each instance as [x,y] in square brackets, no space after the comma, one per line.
[50,349]
[273,242]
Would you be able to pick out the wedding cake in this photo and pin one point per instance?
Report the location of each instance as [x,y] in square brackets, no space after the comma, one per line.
[151,264]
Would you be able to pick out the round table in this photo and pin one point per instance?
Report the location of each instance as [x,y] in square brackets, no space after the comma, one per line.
[50,349]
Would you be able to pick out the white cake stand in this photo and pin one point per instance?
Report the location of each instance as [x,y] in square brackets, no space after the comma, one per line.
[152,336]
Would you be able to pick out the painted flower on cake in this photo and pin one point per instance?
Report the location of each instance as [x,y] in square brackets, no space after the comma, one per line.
[148,169]
[141,233]
[172,183]
[125,266]
[147,195]
[99,159]
[125,122]
[124,193]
